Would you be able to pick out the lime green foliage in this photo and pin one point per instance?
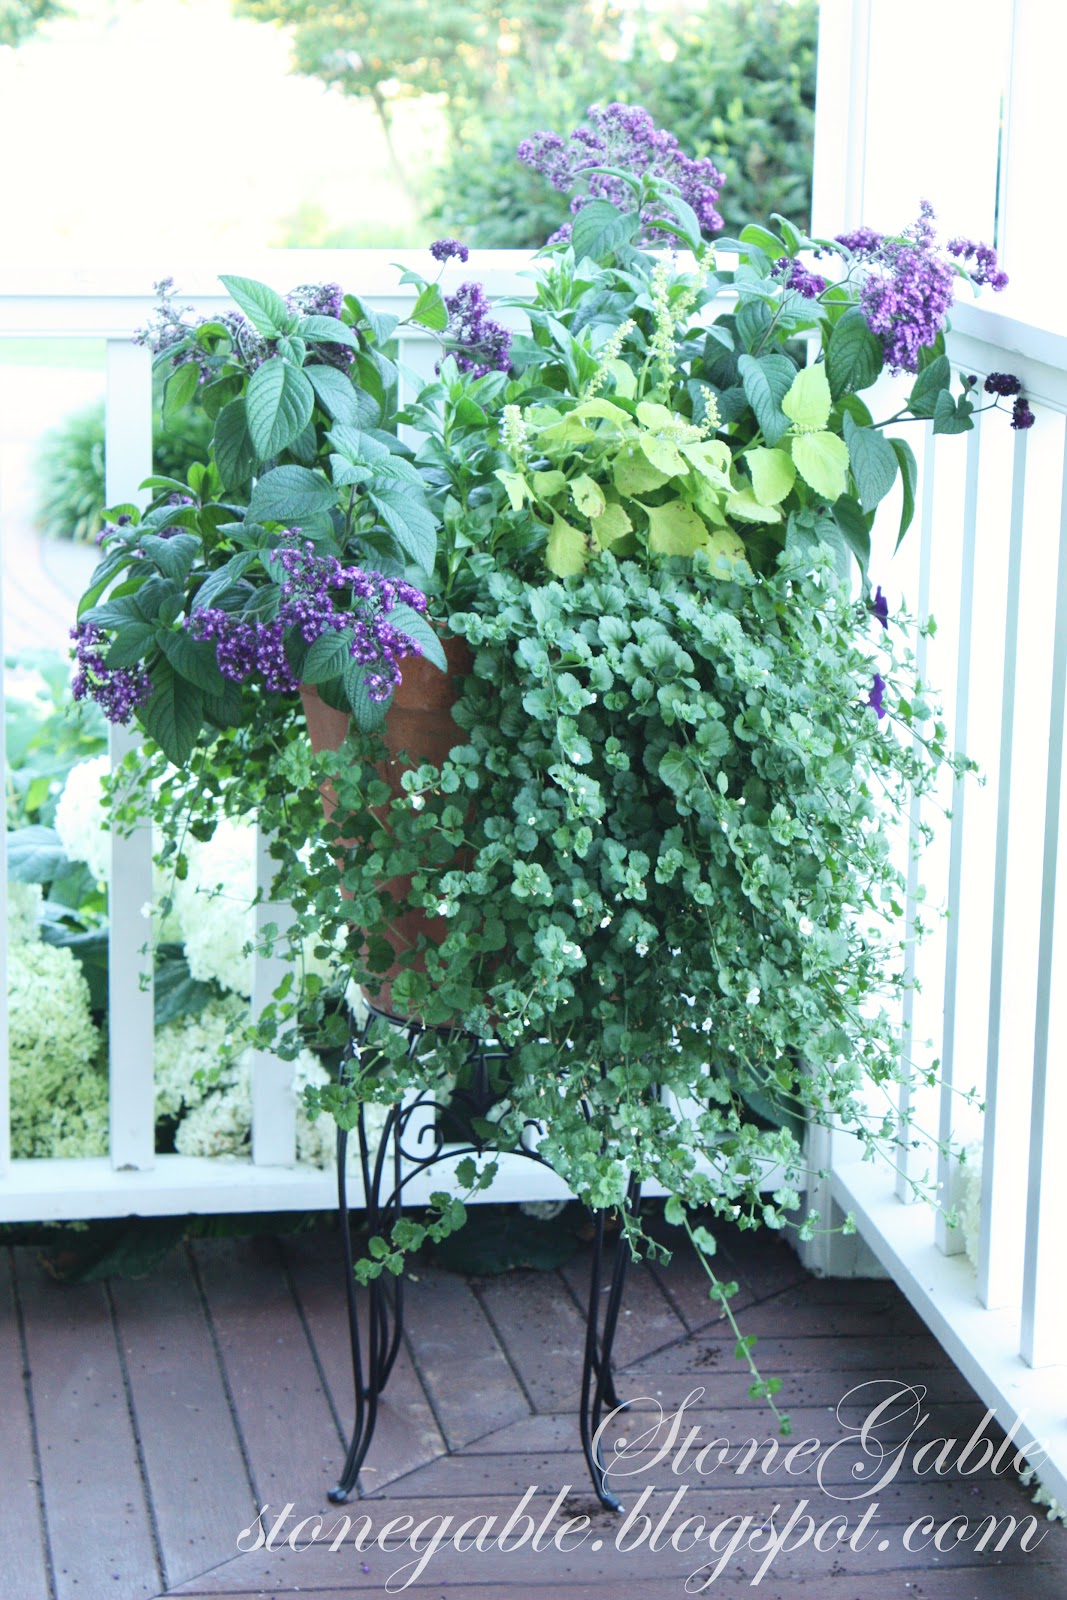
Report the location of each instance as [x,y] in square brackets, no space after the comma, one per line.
[69,469]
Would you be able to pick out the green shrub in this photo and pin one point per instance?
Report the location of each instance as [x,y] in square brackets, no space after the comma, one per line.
[69,469]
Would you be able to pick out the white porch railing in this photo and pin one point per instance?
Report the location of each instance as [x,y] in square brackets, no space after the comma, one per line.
[132,1179]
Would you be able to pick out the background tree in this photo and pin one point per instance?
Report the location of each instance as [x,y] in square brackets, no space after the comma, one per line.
[20,18]
[735,81]
[467,52]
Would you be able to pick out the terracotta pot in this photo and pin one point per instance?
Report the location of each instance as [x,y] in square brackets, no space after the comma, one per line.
[420,723]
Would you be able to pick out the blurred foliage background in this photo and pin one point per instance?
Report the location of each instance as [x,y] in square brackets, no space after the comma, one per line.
[732,79]
[453,86]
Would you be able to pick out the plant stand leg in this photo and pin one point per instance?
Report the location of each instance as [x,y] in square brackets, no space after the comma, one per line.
[598,1376]
[385,1307]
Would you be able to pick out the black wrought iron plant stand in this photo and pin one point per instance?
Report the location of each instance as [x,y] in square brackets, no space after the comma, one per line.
[388,1170]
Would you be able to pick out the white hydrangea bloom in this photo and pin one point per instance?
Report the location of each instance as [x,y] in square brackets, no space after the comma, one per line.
[23,906]
[221,1125]
[214,905]
[968,1198]
[80,816]
[59,1098]
[187,1048]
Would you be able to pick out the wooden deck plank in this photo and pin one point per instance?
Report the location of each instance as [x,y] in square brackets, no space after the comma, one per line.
[558,1431]
[98,1520]
[407,1434]
[598,1559]
[647,1320]
[475,1390]
[196,1474]
[23,1559]
[971,1583]
[290,1438]
[542,1332]
[712,1350]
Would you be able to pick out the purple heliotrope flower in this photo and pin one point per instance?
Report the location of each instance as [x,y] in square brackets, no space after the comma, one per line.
[874,699]
[479,345]
[1002,383]
[118,691]
[449,250]
[248,648]
[880,607]
[1021,415]
[908,285]
[625,137]
[809,284]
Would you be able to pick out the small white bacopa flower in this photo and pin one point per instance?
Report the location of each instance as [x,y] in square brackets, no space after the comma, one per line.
[752,997]
[806,927]
[417,802]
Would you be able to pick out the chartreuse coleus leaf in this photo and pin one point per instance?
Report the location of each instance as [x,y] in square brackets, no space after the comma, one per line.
[820,457]
[807,403]
[566,550]
[517,488]
[773,475]
[634,473]
[822,461]
[587,496]
[675,529]
[725,550]
[611,526]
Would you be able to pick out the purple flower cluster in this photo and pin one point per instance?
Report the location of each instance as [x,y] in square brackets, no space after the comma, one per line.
[906,299]
[875,698]
[479,344]
[880,607]
[247,648]
[910,287]
[118,691]
[809,284]
[170,325]
[985,269]
[1021,415]
[1002,383]
[449,250]
[623,136]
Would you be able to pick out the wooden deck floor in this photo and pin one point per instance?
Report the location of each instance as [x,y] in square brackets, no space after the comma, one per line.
[142,1425]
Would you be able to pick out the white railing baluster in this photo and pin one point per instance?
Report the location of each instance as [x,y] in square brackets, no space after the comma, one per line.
[273,1105]
[950,1240]
[1044,1309]
[911,1163]
[1004,1153]
[5,1069]
[128,449]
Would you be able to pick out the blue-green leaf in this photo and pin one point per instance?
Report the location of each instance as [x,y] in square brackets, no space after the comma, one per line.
[289,494]
[909,476]
[278,405]
[231,444]
[873,462]
[418,627]
[173,714]
[600,229]
[265,310]
[767,380]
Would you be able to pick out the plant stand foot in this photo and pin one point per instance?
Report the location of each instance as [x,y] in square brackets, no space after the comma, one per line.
[598,1376]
